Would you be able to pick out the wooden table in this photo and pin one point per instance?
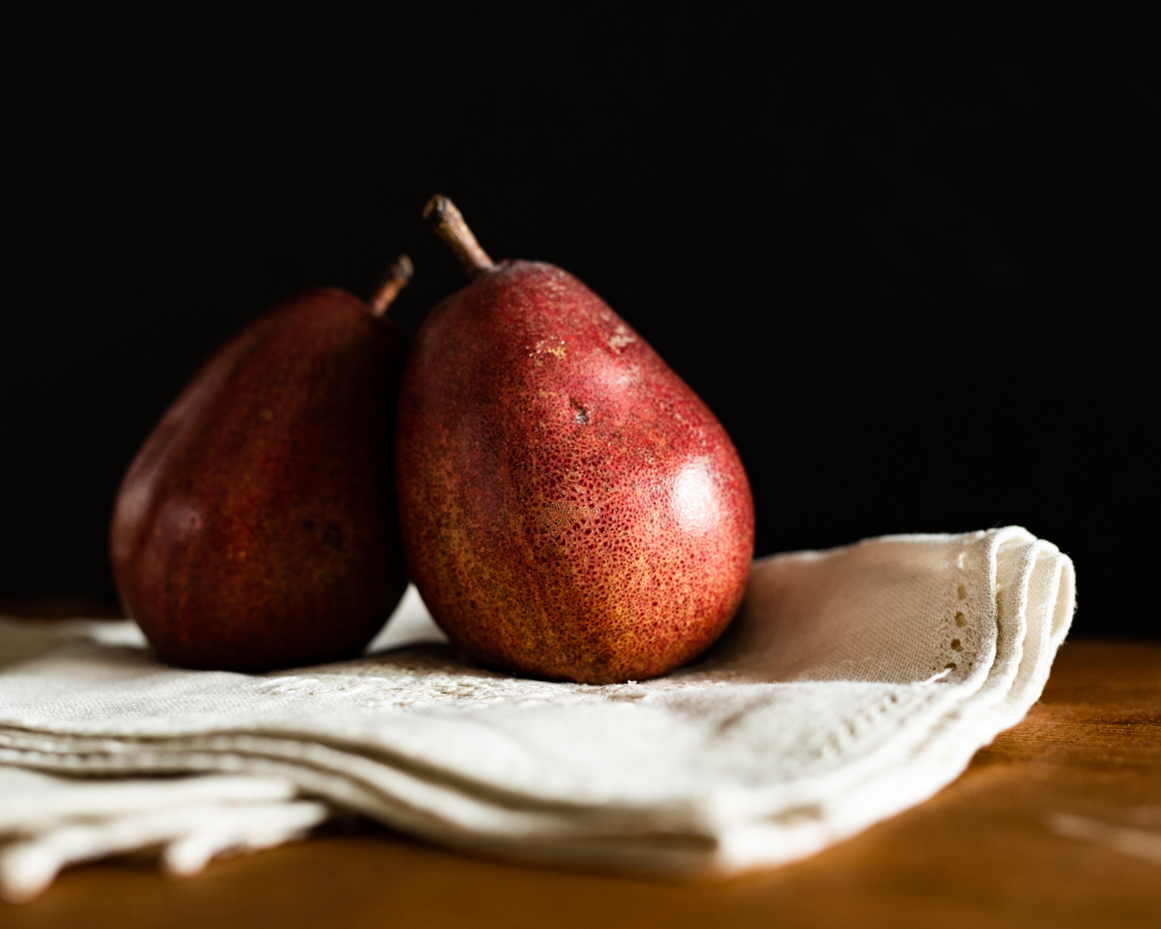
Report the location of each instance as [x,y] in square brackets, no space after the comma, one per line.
[1058,823]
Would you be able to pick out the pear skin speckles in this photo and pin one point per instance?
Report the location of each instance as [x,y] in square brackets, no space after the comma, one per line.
[570,509]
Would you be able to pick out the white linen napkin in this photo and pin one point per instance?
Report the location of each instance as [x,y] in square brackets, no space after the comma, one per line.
[854,683]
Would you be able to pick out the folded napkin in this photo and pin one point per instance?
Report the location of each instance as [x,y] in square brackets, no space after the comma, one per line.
[854,683]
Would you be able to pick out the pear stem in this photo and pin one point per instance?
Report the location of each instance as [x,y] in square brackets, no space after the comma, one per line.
[394,281]
[447,222]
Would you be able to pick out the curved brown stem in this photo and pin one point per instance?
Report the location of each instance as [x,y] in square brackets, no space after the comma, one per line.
[395,280]
[448,223]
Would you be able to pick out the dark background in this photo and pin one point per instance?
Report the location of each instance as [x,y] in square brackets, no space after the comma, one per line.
[909,261]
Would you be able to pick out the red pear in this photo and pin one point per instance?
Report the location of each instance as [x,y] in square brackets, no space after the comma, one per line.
[257,526]
[570,509]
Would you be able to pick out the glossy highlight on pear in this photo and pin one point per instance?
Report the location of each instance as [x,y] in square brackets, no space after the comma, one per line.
[257,526]
[570,509]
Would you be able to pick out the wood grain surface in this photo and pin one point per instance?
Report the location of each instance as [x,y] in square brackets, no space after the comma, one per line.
[1058,823]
